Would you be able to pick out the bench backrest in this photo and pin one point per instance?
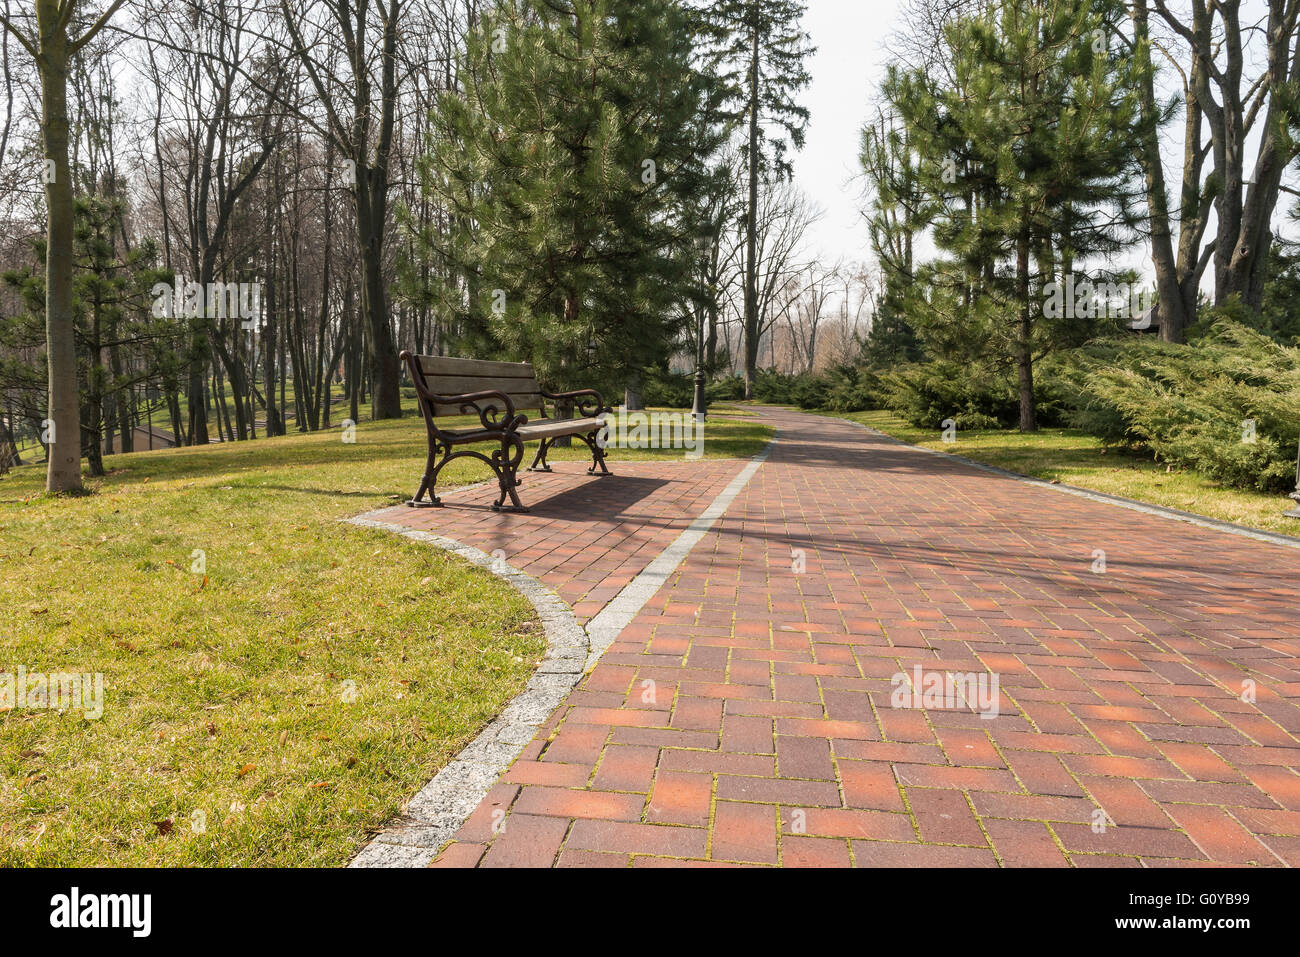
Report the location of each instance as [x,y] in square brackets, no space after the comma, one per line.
[445,376]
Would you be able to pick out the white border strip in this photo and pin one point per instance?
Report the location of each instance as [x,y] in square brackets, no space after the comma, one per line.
[1159,511]
[439,809]
[614,617]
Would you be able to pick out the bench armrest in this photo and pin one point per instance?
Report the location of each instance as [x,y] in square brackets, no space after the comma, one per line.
[583,407]
[471,400]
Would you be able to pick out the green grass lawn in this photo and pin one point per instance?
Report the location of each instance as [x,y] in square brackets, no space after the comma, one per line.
[1077,458]
[276,704]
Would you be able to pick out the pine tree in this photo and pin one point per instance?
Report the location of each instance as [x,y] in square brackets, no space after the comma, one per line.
[567,159]
[899,211]
[758,49]
[1028,153]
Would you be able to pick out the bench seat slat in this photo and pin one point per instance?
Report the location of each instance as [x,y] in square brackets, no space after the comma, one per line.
[447,366]
[552,428]
[462,384]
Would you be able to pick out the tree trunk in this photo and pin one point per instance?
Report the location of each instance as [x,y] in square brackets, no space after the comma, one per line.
[385,369]
[752,331]
[1024,339]
[1173,315]
[63,473]
[632,399]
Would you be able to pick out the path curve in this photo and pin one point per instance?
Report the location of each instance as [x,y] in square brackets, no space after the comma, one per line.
[1147,673]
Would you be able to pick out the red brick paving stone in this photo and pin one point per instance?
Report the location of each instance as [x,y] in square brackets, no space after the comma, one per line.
[969,748]
[1115,766]
[971,779]
[1126,803]
[777,791]
[1025,844]
[680,798]
[482,824]
[575,858]
[1218,835]
[804,757]
[1199,762]
[744,832]
[656,839]
[1286,848]
[459,855]
[716,762]
[870,785]
[571,802]
[626,768]
[881,854]
[1281,784]
[576,744]
[1144,841]
[836,822]
[749,734]
[641,860]
[526,841]
[1128,682]
[814,852]
[1033,807]
[697,714]
[1103,860]
[1204,792]
[548,773]
[944,817]
[1268,822]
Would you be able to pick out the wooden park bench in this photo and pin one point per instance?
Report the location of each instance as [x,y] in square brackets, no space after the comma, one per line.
[499,393]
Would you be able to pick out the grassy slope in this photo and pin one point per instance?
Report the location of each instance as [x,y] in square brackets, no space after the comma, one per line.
[1077,458]
[276,710]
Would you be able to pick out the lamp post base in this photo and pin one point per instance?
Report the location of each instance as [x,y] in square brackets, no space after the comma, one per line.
[698,408]
[1295,512]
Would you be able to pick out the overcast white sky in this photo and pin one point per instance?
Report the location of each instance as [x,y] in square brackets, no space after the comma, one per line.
[846,70]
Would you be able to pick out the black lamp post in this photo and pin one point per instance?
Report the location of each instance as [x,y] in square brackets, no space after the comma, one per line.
[703,246]
[1295,512]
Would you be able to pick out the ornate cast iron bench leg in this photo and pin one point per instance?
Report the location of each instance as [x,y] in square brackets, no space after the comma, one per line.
[506,463]
[429,478]
[539,460]
[597,454]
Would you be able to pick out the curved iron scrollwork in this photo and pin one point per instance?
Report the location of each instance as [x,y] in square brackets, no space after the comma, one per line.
[492,417]
[589,402]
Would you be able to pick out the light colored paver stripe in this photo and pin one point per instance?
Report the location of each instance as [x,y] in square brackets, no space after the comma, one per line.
[606,626]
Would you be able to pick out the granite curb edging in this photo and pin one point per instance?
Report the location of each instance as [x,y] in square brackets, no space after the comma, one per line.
[438,809]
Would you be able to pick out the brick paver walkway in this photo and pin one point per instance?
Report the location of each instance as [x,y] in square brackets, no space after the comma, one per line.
[585,537]
[746,715]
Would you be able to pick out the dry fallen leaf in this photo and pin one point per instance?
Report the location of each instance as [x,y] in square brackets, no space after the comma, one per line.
[246,768]
[284,736]
[164,827]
